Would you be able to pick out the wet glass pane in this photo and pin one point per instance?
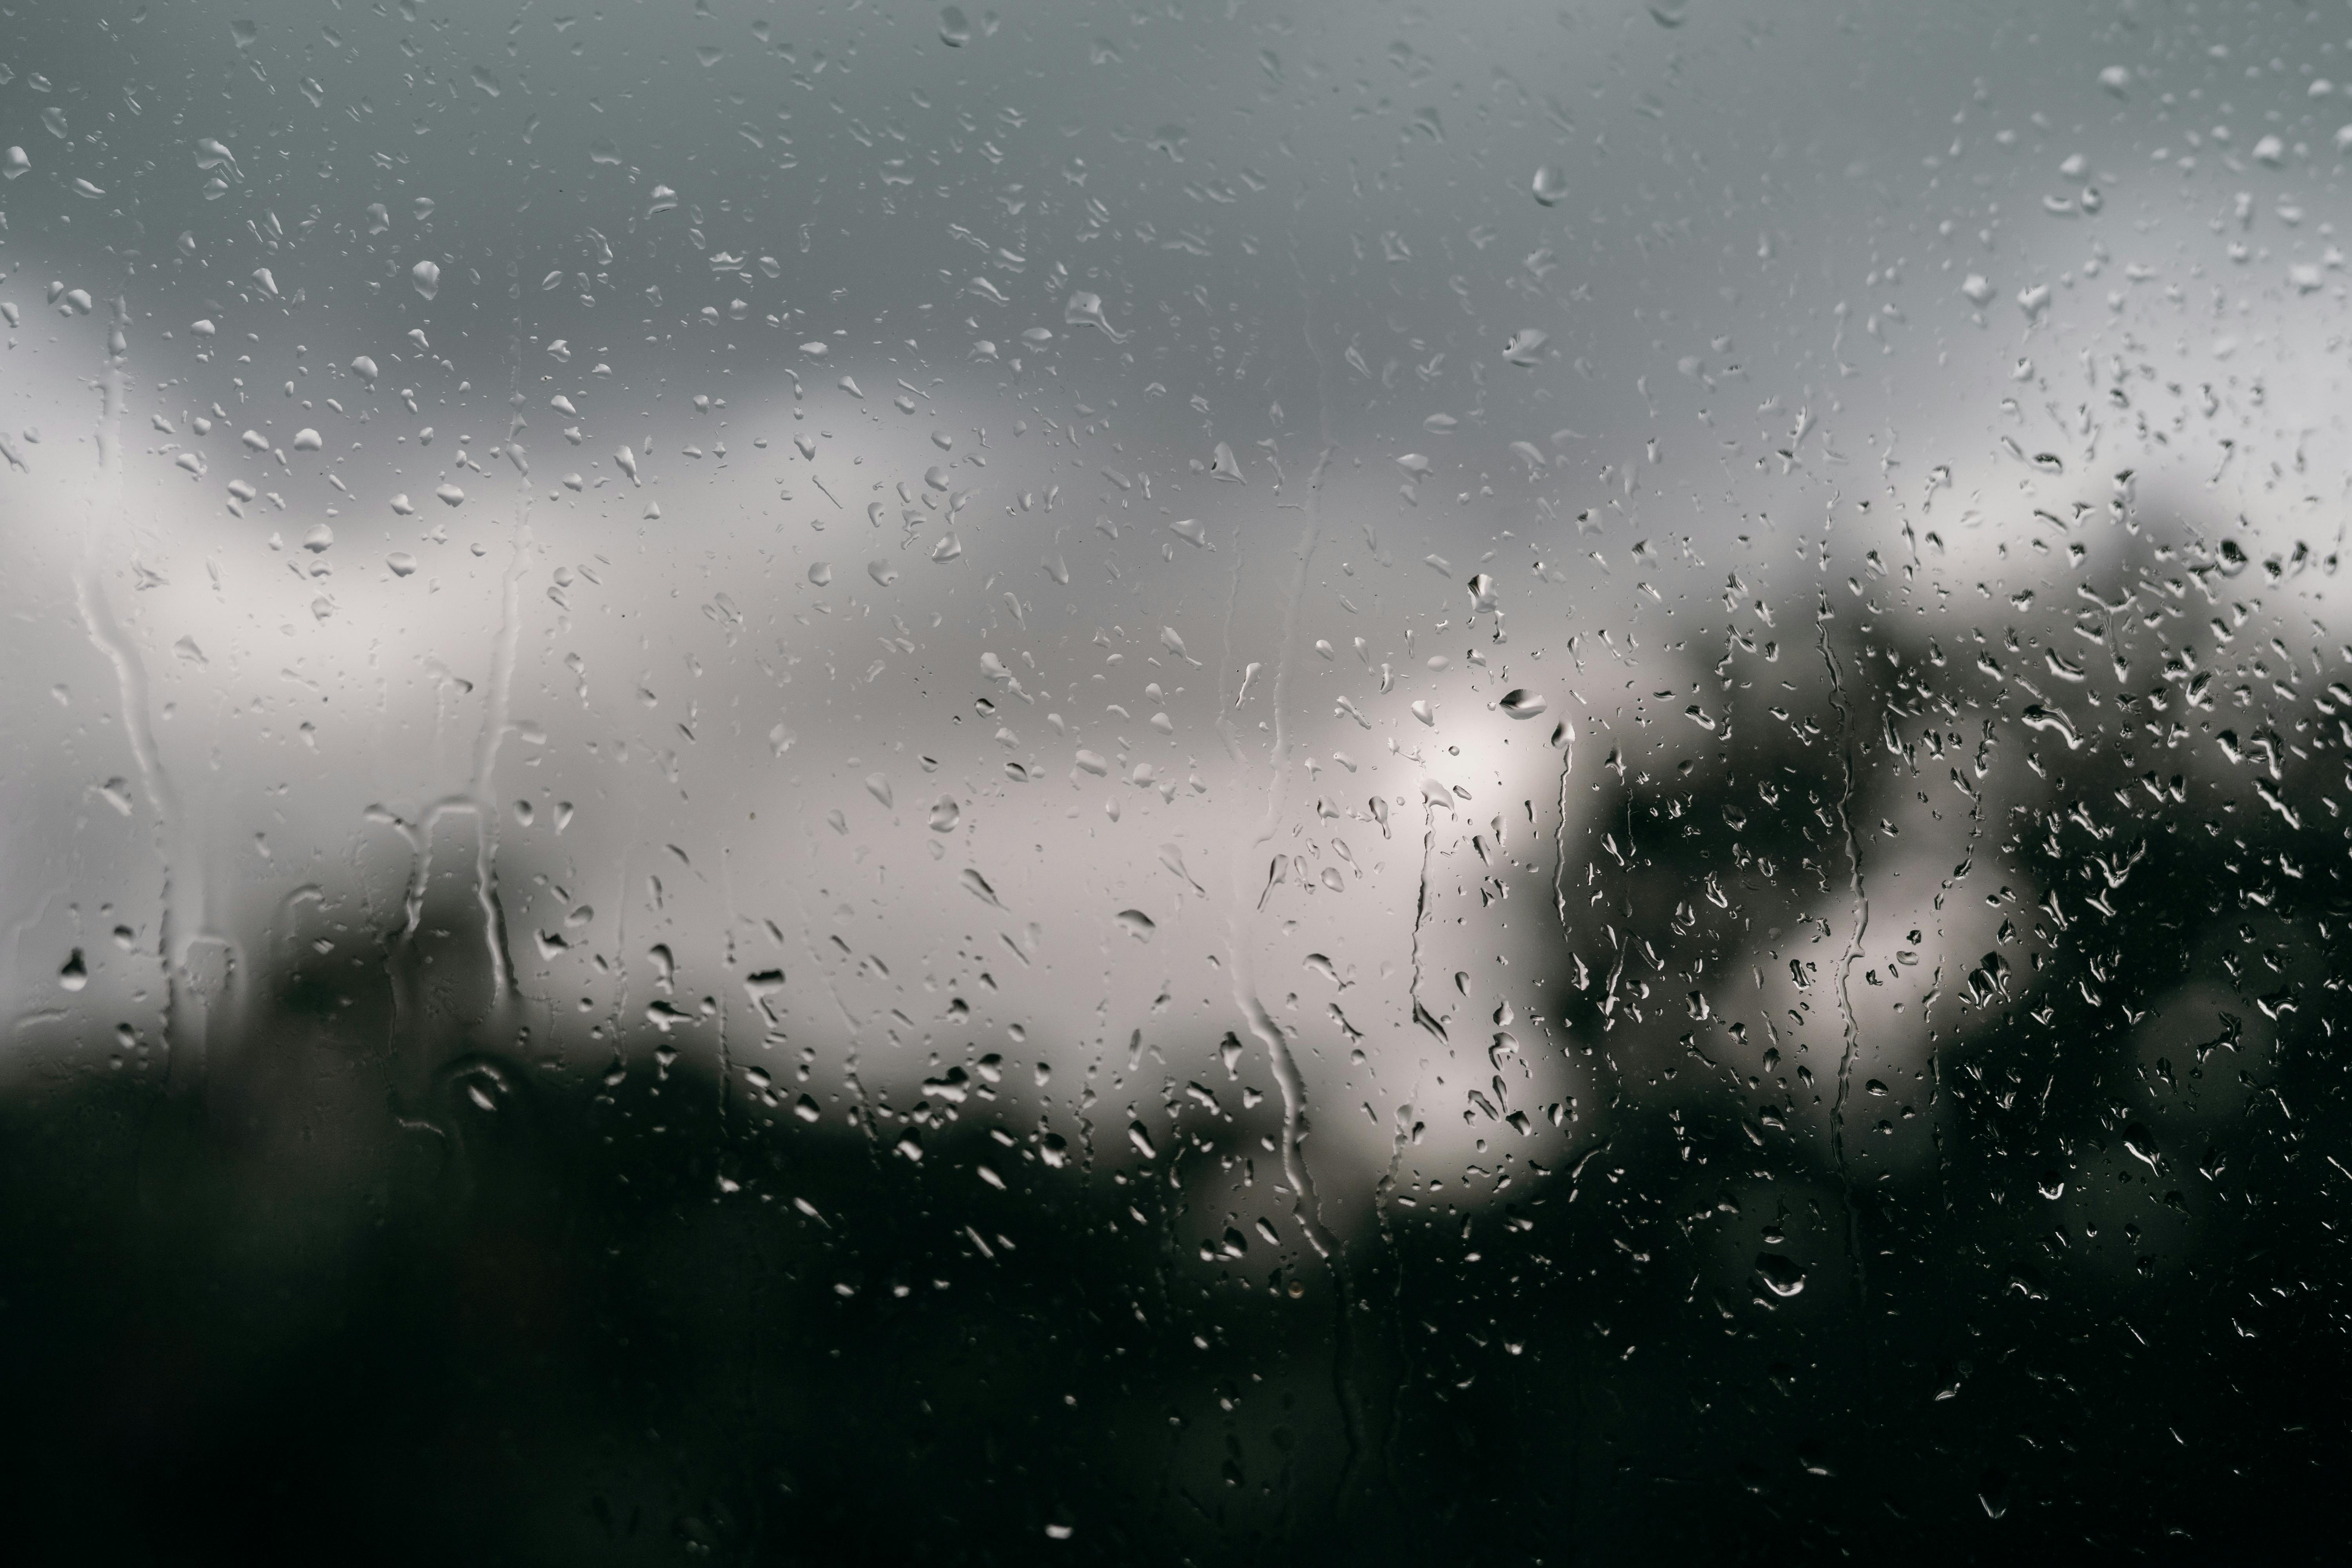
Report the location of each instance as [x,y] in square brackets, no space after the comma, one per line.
[1182,782]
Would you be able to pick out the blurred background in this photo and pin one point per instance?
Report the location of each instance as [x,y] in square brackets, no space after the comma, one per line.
[1383,783]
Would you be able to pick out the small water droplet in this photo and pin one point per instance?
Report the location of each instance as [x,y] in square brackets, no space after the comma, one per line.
[1137,924]
[1551,184]
[1521,704]
[426,276]
[955,30]
[945,814]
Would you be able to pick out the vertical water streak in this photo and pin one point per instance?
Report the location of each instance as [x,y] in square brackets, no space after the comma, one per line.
[1853,1045]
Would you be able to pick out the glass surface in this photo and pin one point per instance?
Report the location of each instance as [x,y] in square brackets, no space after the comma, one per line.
[1184,782]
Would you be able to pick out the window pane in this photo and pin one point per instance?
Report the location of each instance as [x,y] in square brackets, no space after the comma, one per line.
[805,782]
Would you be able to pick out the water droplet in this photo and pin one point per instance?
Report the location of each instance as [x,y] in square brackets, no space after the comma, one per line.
[75,974]
[308,440]
[879,787]
[426,276]
[882,572]
[319,540]
[955,30]
[821,572]
[626,460]
[945,814]
[1527,346]
[1551,184]
[1137,924]
[1976,288]
[450,495]
[362,367]
[402,563]
[245,32]
[15,162]
[1521,704]
[1781,1275]
[1142,1139]
[1086,309]
[403,506]
[977,885]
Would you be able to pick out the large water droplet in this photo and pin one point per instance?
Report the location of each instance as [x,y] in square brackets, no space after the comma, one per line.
[1551,184]
[955,29]
[1086,309]
[1521,704]
[427,279]
[1781,1275]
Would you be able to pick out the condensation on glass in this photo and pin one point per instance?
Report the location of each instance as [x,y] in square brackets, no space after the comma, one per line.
[1173,782]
